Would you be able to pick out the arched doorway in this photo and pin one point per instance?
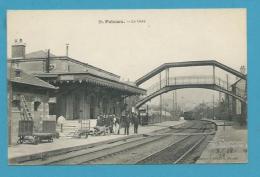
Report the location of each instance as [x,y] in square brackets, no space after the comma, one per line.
[76,107]
[92,106]
[105,106]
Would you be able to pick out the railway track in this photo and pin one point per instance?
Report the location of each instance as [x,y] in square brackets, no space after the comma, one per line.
[177,151]
[127,151]
[114,151]
[140,154]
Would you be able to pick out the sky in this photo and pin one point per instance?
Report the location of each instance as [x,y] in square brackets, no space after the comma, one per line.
[142,41]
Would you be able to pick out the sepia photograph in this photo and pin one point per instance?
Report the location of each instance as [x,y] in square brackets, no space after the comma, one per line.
[146,86]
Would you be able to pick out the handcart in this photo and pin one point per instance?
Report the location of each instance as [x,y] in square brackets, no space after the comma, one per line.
[26,133]
[101,130]
[104,126]
[84,130]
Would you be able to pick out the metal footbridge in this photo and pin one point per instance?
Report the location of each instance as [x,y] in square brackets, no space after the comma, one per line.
[211,81]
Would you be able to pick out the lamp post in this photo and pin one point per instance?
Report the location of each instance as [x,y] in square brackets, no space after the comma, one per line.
[173,110]
[165,111]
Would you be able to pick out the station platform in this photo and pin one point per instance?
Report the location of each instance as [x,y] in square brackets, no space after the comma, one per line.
[229,144]
[30,151]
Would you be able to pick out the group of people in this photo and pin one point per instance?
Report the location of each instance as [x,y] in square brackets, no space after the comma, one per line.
[115,123]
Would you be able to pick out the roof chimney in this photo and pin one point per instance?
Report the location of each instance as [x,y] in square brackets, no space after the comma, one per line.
[18,49]
[67,50]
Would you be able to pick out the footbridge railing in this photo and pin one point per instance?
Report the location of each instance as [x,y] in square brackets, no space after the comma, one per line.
[203,81]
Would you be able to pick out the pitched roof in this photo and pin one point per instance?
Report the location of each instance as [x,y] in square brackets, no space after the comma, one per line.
[88,65]
[27,79]
[93,79]
[38,54]
[42,56]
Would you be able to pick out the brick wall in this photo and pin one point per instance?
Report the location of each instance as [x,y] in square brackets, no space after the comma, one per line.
[15,121]
[38,115]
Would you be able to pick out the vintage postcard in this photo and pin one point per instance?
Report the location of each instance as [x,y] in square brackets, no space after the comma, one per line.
[127,86]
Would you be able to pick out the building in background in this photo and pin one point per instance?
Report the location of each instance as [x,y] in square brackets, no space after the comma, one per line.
[85,91]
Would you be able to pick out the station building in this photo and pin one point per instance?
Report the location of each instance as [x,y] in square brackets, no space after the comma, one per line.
[28,97]
[85,91]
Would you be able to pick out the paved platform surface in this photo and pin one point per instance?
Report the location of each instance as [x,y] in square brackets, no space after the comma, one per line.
[229,145]
[22,150]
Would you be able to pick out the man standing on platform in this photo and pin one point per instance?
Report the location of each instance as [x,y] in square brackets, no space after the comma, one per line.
[135,122]
[127,124]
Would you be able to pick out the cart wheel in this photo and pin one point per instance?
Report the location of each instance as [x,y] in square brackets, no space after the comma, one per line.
[19,141]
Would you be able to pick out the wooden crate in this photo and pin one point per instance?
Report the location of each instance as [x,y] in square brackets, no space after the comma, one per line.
[25,128]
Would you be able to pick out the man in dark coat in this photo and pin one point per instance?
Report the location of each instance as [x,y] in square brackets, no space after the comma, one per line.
[135,122]
[127,124]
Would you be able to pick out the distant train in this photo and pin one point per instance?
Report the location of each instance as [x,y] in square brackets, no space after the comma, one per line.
[143,115]
[188,115]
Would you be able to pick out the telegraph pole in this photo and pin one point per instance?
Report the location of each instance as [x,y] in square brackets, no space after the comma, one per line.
[176,104]
[160,77]
[173,110]
[161,108]
[228,104]
[213,107]
[48,62]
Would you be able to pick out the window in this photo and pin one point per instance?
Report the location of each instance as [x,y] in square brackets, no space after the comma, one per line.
[104,106]
[92,107]
[36,105]
[17,73]
[16,104]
